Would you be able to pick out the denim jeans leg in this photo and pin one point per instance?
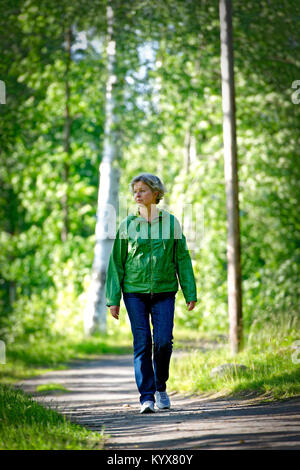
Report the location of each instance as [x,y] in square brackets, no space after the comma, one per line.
[138,309]
[162,312]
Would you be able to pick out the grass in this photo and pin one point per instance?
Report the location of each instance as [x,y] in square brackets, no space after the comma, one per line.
[272,372]
[267,374]
[29,358]
[269,356]
[51,388]
[27,425]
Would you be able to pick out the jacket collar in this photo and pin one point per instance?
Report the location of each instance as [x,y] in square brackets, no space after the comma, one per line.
[162,213]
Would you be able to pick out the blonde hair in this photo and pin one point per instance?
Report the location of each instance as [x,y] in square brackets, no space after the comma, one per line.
[152,181]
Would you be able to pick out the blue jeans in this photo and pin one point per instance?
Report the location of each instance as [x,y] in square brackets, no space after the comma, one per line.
[151,375]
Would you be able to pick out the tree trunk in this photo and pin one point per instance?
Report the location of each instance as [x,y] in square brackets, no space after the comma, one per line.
[96,310]
[231,178]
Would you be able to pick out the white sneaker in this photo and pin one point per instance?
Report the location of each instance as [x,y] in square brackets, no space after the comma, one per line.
[162,400]
[147,407]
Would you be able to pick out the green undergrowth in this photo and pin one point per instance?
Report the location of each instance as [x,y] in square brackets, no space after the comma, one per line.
[271,357]
[27,425]
[35,355]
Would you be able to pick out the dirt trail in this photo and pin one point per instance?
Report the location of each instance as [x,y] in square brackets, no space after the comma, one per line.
[103,393]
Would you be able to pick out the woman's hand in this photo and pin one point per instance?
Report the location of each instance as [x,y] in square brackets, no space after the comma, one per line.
[114,310]
[191,305]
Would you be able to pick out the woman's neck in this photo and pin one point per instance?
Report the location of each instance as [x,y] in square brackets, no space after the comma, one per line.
[149,213]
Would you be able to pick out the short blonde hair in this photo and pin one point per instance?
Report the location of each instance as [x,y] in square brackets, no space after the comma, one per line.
[152,181]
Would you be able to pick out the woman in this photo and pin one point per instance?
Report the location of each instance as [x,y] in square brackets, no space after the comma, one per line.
[148,257]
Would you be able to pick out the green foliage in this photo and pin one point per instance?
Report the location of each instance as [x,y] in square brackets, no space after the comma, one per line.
[33,354]
[271,369]
[170,123]
[27,425]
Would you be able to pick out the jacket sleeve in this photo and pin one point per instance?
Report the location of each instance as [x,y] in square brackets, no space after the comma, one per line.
[184,268]
[115,271]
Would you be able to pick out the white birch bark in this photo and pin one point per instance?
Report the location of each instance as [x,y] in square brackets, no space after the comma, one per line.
[96,311]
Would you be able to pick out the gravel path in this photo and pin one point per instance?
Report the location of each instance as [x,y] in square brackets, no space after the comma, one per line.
[103,393]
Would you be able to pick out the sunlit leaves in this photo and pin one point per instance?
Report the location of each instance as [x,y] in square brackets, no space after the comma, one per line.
[168,95]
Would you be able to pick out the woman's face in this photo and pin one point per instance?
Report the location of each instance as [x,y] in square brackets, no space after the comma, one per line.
[143,195]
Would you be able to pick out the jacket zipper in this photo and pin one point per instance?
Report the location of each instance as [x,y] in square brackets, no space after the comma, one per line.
[151,270]
[149,227]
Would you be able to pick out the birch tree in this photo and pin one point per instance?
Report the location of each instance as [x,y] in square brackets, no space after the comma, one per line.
[96,310]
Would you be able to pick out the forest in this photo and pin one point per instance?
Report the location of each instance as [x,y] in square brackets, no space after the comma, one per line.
[168,121]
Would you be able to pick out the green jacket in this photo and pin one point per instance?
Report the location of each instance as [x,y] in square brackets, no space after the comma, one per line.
[149,257]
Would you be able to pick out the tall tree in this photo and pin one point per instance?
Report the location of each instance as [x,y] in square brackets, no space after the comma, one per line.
[231,178]
[96,310]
